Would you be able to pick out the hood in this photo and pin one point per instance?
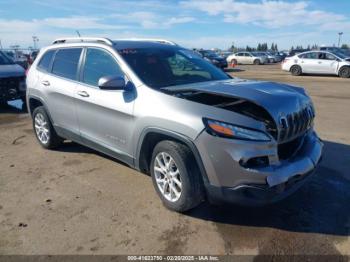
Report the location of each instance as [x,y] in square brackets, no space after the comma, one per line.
[278,99]
[12,70]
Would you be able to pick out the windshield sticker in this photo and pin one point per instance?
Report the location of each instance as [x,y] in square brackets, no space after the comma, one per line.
[127,51]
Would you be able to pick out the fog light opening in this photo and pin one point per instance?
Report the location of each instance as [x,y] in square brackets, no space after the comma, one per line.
[255,162]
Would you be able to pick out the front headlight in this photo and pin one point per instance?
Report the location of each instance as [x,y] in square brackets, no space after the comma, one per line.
[222,129]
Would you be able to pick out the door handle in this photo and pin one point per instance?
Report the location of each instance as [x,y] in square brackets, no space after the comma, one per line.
[319,62]
[45,83]
[83,93]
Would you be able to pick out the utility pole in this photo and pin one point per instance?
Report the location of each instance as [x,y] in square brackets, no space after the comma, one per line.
[0,44]
[340,34]
[35,40]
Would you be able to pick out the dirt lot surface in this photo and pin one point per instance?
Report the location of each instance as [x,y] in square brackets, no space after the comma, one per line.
[76,201]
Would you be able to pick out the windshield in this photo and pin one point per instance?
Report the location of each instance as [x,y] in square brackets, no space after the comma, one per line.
[163,67]
[4,60]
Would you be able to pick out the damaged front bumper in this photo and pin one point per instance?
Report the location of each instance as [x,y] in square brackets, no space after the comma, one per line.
[230,181]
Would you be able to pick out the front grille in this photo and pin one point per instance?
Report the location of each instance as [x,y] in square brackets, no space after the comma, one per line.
[295,124]
[287,150]
[8,85]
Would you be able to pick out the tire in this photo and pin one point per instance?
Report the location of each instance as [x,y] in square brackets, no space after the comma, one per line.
[296,70]
[24,100]
[344,72]
[257,62]
[187,173]
[234,61]
[43,129]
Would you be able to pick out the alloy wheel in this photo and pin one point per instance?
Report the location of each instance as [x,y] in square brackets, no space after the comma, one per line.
[42,128]
[167,176]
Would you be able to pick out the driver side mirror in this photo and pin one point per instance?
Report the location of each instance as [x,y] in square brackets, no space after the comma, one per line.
[112,83]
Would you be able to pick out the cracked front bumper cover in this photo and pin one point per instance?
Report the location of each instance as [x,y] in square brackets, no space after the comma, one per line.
[261,185]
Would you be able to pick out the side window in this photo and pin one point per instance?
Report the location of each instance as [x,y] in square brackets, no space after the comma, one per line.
[66,63]
[309,56]
[45,61]
[99,63]
[239,54]
[330,57]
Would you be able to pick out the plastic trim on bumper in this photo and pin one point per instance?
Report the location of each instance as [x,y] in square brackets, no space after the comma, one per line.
[256,195]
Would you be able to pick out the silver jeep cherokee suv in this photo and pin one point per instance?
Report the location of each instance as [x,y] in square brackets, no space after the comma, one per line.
[164,110]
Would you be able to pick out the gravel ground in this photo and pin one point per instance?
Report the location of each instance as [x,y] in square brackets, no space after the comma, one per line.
[77,201]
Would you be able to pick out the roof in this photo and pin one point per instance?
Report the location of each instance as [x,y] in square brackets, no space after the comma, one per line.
[126,43]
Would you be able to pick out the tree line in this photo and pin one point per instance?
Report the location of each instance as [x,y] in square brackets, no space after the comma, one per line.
[264,47]
[259,47]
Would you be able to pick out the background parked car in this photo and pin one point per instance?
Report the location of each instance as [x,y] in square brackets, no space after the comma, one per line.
[225,54]
[297,51]
[272,58]
[278,58]
[264,55]
[317,62]
[337,50]
[12,80]
[214,58]
[246,58]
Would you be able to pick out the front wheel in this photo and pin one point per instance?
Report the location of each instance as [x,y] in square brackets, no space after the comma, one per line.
[44,131]
[257,62]
[176,177]
[344,72]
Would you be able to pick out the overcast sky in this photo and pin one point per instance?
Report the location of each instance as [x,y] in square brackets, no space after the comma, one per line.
[193,23]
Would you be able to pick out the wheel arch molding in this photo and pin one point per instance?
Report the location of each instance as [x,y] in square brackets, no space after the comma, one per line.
[151,136]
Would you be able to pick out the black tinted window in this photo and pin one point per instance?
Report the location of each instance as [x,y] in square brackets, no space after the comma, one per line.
[66,63]
[46,60]
[170,66]
[99,63]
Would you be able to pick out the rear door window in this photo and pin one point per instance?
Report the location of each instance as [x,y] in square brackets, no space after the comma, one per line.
[45,61]
[66,63]
[309,56]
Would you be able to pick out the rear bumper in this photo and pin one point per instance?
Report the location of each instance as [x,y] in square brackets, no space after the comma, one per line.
[228,181]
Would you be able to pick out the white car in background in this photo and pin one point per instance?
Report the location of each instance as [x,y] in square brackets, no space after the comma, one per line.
[318,62]
[246,58]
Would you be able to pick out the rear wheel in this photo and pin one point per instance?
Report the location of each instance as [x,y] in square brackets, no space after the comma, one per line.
[344,72]
[296,70]
[44,131]
[176,177]
[256,62]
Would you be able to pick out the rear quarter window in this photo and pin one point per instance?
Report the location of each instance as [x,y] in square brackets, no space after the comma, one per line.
[45,61]
[66,63]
